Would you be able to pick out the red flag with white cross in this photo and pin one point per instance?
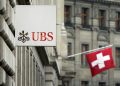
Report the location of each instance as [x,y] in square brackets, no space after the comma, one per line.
[100,60]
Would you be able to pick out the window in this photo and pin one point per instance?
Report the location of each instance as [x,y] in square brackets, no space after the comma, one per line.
[70,51]
[67,13]
[118,57]
[117,84]
[66,83]
[102,19]
[85,47]
[102,84]
[85,17]
[118,22]
[84,83]
[100,46]
[69,48]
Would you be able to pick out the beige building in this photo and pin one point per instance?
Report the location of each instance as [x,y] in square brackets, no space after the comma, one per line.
[91,24]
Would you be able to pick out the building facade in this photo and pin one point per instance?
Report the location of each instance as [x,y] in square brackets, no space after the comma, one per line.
[91,24]
[41,66]
[7,47]
[30,66]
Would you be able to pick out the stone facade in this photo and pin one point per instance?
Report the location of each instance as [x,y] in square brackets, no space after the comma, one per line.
[30,66]
[92,35]
[7,47]
[42,66]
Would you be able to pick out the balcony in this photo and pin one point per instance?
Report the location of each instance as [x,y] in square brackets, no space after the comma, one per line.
[7,59]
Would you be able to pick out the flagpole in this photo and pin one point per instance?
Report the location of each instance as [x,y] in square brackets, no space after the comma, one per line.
[89,51]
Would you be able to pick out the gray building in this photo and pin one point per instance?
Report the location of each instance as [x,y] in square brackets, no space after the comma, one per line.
[91,24]
[7,47]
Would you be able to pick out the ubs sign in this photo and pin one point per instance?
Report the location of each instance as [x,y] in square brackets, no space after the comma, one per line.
[35,25]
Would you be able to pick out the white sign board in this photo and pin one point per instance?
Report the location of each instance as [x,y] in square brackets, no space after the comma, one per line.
[35,25]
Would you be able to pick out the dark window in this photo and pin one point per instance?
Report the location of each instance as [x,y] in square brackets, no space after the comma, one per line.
[85,16]
[69,48]
[67,14]
[66,83]
[102,19]
[84,83]
[118,57]
[85,47]
[117,84]
[118,22]
[100,46]
[102,84]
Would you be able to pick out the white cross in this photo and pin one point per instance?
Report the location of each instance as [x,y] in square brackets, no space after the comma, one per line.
[100,60]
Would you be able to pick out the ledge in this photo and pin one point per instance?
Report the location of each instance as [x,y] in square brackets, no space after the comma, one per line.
[7,59]
[6,34]
[99,1]
[7,68]
[10,25]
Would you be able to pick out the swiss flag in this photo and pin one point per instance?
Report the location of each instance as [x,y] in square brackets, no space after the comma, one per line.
[100,60]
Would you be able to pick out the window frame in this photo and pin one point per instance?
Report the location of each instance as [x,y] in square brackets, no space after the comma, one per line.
[84,83]
[102,18]
[117,21]
[67,13]
[117,58]
[102,84]
[84,63]
[85,16]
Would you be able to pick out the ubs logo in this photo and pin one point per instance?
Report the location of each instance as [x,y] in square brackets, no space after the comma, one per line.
[23,37]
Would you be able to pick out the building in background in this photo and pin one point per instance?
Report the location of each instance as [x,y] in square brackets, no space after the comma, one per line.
[91,24]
